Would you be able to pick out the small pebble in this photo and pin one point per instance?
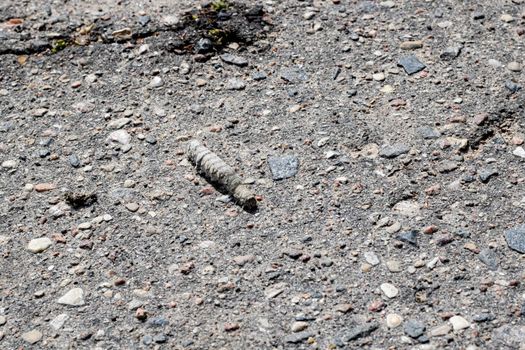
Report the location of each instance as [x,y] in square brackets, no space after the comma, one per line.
[414,328]
[299,326]
[507,18]
[393,320]
[514,67]
[411,45]
[38,245]
[74,297]
[459,323]
[156,82]
[32,337]
[371,258]
[133,207]
[390,290]
[515,238]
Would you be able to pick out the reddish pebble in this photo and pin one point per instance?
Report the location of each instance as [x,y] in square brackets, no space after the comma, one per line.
[59,238]
[216,128]
[119,282]
[430,229]
[44,187]
[376,306]
[205,191]
[446,315]
[480,118]
[141,314]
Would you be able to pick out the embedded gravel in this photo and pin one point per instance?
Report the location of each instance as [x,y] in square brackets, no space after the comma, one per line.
[384,141]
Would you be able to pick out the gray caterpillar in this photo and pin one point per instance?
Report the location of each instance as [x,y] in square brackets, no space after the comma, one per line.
[216,170]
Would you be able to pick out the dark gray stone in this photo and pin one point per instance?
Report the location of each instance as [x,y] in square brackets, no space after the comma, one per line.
[411,64]
[423,339]
[335,74]
[186,343]
[160,338]
[450,53]
[147,339]
[394,150]
[468,178]
[44,152]
[151,140]
[414,328]
[486,173]
[294,75]
[351,93]
[462,233]
[259,76]
[512,86]
[483,318]
[489,258]
[39,45]
[515,238]
[235,60]
[298,337]
[144,20]
[428,133]
[409,237]
[360,331]
[158,322]
[283,167]
[74,161]
[203,45]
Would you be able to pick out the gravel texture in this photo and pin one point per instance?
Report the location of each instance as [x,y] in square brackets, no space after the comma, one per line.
[383,140]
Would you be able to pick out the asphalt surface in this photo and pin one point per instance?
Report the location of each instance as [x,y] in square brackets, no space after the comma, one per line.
[383,141]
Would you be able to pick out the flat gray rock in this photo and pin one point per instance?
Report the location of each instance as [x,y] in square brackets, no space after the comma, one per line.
[360,331]
[428,133]
[394,150]
[486,174]
[293,75]
[283,167]
[235,60]
[408,237]
[298,337]
[489,258]
[515,238]
[450,53]
[414,328]
[411,64]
